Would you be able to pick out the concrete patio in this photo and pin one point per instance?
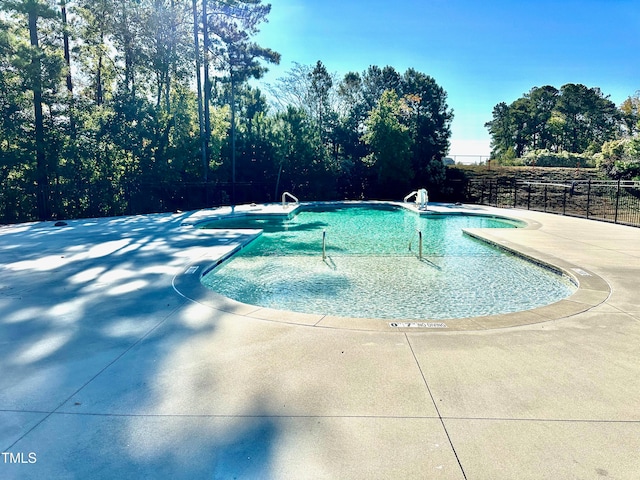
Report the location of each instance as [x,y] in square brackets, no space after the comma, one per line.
[116,364]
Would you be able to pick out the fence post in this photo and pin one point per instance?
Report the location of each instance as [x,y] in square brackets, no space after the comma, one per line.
[497,188]
[491,201]
[588,196]
[497,192]
[564,200]
[615,220]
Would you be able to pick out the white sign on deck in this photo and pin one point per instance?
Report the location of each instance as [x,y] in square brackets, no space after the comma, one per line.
[579,271]
[418,325]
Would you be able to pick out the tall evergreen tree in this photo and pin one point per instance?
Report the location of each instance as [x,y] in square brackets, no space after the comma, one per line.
[234,23]
[32,11]
[320,86]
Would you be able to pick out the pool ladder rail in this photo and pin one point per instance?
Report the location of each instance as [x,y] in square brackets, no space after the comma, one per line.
[324,245]
[286,195]
[419,244]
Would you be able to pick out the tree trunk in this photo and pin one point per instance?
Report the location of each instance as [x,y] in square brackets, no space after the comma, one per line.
[207,80]
[42,178]
[99,94]
[203,142]
[172,67]
[67,59]
[233,140]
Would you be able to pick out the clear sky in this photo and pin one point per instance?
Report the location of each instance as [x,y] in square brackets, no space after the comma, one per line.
[482,52]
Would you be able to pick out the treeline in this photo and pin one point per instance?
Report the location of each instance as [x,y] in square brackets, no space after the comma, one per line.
[573,125]
[105,101]
[375,134]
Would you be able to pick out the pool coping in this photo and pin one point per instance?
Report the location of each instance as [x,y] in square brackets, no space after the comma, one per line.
[592,290]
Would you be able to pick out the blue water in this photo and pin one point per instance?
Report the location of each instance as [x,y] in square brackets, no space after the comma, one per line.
[372,268]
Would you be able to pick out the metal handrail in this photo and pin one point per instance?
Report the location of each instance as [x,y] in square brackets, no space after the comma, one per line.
[324,245]
[415,193]
[419,244]
[549,184]
[284,199]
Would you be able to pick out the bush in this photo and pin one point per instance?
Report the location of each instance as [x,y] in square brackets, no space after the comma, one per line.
[509,159]
[620,159]
[546,158]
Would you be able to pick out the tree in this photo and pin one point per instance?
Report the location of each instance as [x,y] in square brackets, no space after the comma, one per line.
[589,116]
[34,10]
[168,67]
[430,126]
[234,23]
[522,124]
[292,90]
[312,89]
[202,137]
[320,87]
[351,105]
[300,168]
[542,103]
[376,81]
[67,59]
[15,150]
[390,143]
[630,114]
[501,130]
[97,18]
[348,133]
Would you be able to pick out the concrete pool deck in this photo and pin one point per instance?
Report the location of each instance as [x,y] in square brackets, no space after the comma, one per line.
[108,371]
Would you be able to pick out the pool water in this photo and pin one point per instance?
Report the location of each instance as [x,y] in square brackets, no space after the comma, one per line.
[372,269]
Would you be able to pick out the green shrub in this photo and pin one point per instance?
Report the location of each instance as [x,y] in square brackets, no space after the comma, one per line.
[620,159]
[546,158]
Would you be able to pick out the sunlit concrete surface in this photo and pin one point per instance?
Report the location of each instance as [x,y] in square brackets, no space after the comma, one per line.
[115,363]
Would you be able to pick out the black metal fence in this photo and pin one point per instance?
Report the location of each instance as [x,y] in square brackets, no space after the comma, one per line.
[610,201]
[615,201]
[162,197]
[100,199]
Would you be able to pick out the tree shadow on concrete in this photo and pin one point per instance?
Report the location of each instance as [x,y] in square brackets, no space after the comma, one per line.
[92,334]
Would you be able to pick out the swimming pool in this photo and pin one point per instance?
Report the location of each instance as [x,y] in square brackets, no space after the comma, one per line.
[372,267]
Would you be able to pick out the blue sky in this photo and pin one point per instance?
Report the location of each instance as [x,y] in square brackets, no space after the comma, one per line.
[481,52]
